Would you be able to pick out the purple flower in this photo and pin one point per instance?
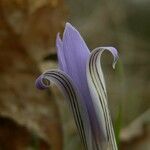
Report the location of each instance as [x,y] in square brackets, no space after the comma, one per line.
[81,80]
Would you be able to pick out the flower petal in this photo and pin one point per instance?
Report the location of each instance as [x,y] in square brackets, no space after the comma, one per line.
[97,87]
[60,54]
[76,55]
[66,85]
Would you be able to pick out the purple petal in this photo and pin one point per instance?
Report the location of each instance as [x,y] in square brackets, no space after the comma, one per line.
[114,52]
[60,53]
[41,84]
[76,54]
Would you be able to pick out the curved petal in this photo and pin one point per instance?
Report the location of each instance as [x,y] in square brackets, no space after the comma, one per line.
[97,87]
[66,85]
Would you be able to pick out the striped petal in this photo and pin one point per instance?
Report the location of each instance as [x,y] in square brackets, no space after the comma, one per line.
[81,80]
[97,88]
[64,82]
[76,57]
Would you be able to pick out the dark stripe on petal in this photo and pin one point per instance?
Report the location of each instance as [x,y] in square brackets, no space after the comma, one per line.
[97,60]
[91,64]
[97,84]
[72,97]
[78,109]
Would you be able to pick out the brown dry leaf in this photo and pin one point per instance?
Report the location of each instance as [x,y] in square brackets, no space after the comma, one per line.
[26,29]
[36,22]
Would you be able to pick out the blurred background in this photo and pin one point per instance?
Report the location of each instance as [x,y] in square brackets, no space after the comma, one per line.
[41,120]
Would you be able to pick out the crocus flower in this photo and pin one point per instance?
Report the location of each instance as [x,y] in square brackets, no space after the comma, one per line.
[81,80]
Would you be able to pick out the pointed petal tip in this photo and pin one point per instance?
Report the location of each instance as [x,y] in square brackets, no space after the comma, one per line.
[115,55]
[58,36]
[114,63]
[69,28]
[68,25]
[58,39]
